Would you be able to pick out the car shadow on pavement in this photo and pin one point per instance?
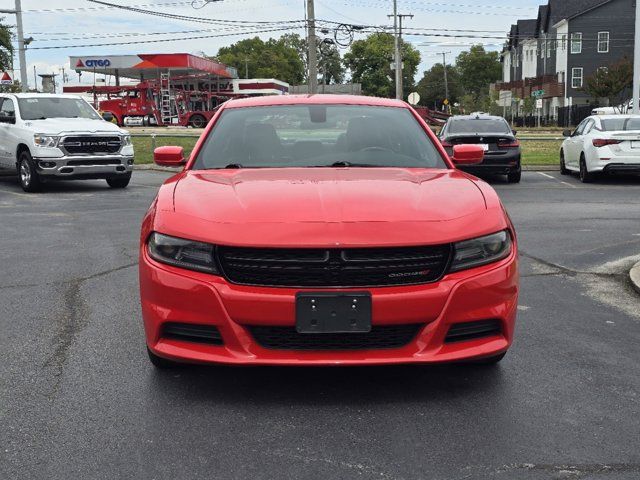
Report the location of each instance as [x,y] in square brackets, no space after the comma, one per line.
[327,385]
[10,184]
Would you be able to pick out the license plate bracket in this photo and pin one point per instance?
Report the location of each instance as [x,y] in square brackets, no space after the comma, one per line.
[326,312]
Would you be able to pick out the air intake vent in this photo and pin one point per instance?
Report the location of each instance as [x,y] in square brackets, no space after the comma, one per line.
[368,267]
[287,338]
[192,333]
[462,332]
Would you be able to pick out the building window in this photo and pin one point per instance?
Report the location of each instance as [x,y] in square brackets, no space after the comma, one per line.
[577,76]
[603,42]
[564,42]
[576,43]
[549,48]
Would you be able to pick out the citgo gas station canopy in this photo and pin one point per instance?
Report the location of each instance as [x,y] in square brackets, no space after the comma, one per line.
[150,66]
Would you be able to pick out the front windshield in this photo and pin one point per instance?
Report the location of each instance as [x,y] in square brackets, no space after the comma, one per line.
[622,124]
[41,108]
[318,136]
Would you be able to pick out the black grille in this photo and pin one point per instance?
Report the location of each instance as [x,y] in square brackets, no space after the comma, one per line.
[462,332]
[287,338]
[96,161]
[367,267]
[192,333]
[91,145]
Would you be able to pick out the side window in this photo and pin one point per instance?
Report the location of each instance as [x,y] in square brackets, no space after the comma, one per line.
[580,128]
[588,127]
[7,108]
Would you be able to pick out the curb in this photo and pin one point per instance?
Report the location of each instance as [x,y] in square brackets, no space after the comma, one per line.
[634,276]
[526,168]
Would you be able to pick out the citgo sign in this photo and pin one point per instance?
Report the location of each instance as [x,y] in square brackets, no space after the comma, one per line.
[92,63]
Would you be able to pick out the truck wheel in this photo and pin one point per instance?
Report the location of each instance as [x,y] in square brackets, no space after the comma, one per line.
[27,174]
[119,182]
[197,121]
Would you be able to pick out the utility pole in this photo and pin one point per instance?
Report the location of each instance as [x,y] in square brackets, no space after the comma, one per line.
[21,47]
[398,18]
[446,78]
[636,64]
[313,52]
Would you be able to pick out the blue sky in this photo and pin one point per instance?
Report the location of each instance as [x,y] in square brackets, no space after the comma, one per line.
[83,26]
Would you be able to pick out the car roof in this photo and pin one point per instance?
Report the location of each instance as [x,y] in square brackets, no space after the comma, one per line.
[40,95]
[479,116]
[320,99]
[613,117]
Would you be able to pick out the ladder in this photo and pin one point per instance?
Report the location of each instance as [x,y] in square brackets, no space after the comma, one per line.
[166,112]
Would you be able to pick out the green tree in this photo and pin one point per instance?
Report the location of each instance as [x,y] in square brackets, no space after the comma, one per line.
[369,61]
[270,59]
[612,82]
[6,49]
[330,66]
[432,89]
[478,69]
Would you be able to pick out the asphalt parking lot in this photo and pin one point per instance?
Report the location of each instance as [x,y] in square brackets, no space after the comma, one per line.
[79,399]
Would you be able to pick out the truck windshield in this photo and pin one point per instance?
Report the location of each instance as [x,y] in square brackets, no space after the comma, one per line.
[318,136]
[41,108]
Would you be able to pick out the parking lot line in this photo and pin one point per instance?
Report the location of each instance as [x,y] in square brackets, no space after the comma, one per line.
[556,180]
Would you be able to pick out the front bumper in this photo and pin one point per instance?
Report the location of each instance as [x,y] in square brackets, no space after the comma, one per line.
[171,295]
[76,166]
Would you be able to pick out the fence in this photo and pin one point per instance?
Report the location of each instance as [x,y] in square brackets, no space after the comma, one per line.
[573,115]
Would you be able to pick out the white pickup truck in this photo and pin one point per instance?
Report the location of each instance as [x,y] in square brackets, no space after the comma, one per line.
[55,137]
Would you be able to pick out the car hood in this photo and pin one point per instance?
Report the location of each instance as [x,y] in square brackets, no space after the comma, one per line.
[60,126]
[329,207]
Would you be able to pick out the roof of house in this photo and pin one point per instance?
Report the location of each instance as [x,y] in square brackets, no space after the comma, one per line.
[527,28]
[566,9]
[543,19]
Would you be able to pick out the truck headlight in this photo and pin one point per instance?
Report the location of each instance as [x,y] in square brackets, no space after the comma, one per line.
[481,251]
[46,141]
[126,141]
[182,253]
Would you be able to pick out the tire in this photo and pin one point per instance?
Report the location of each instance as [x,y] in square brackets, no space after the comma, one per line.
[197,121]
[27,173]
[119,182]
[563,167]
[161,363]
[491,361]
[585,175]
[515,176]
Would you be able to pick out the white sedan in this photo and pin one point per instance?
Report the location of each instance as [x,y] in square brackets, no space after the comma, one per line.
[602,144]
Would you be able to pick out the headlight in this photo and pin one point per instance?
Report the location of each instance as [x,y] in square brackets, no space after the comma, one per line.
[126,140]
[182,253]
[47,141]
[481,251]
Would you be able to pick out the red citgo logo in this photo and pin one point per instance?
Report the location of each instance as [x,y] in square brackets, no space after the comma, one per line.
[79,64]
[5,77]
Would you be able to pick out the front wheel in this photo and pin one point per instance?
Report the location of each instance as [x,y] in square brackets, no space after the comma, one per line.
[29,178]
[119,182]
[563,166]
[197,121]
[161,363]
[585,175]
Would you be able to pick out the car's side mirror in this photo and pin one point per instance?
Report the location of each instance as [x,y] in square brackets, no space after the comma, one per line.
[567,133]
[7,119]
[515,132]
[467,154]
[169,156]
[107,116]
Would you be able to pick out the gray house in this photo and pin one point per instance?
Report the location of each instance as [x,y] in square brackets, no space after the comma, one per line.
[572,40]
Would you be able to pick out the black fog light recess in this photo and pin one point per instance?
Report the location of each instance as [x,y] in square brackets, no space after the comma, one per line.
[130,162]
[47,164]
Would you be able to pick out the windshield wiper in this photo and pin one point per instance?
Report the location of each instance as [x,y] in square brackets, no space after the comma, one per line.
[345,164]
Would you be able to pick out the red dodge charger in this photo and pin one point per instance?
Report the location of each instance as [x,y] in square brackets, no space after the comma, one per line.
[325,230]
